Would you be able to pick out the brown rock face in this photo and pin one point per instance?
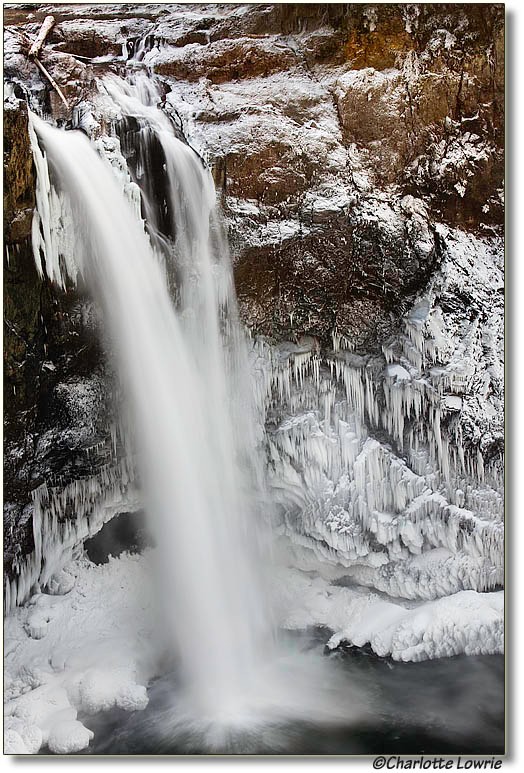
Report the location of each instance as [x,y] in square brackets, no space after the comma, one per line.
[19,183]
[437,85]
[314,118]
[375,103]
[83,38]
[377,48]
[354,276]
[271,174]
[22,288]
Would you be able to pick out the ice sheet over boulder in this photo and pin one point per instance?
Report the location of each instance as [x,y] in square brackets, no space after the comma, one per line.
[467,622]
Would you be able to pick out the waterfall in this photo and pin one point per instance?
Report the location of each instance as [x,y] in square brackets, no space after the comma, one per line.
[132,216]
[183,363]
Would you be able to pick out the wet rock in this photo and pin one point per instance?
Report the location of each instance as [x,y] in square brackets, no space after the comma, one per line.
[19,181]
[353,275]
[226,60]
[103,38]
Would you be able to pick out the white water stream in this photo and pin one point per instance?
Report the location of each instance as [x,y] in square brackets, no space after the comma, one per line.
[192,418]
[170,319]
[184,366]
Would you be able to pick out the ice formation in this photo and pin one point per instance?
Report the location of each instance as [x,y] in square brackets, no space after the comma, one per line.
[465,623]
[386,469]
[94,651]
[368,455]
[66,515]
[83,651]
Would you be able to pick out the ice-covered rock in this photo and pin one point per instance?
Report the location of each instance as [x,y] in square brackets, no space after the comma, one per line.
[376,460]
[21,737]
[100,690]
[69,737]
[60,583]
[13,743]
[463,623]
[96,654]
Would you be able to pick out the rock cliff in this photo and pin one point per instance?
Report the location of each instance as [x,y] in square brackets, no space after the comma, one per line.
[353,146]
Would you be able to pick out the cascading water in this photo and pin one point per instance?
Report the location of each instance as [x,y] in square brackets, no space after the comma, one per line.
[165,288]
[184,365]
[382,452]
[191,416]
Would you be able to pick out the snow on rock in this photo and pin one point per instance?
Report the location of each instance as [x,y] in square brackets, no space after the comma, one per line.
[468,622]
[69,737]
[279,141]
[39,619]
[41,708]
[60,583]
[98,651]
[101,690]
[96,654]
[21,737]
[397,372]
[14,744]
[132,697]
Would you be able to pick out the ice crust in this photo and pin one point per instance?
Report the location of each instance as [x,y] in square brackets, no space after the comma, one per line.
[93,500]
[467,622]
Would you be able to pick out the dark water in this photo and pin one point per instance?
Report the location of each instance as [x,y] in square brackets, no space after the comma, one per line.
[446,706]
[125,532]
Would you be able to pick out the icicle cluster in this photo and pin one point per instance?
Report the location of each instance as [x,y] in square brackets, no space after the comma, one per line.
[368,463]
[54,238]
[65,516]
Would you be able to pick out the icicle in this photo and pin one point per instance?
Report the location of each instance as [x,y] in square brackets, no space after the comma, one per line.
[64,517]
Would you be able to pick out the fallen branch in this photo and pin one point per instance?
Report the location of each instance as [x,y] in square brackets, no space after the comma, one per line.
[53,83]
[77,56]
[45,29]
[34,51]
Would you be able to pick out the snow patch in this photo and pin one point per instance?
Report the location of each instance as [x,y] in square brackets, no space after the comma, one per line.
[106,618]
